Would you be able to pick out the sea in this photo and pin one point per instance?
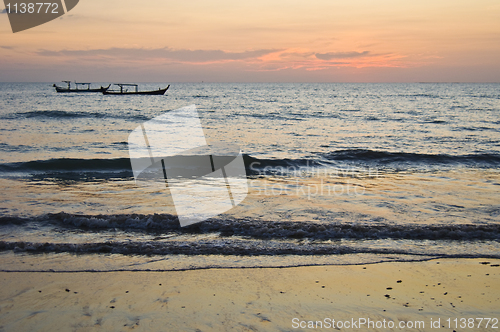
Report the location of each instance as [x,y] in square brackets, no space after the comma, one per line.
[337,174]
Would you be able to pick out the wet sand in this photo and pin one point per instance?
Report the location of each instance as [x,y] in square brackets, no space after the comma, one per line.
[260,299]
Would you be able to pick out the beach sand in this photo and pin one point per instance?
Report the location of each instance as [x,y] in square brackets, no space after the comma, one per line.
[257,299]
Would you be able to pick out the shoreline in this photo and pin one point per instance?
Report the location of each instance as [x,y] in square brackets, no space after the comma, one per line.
[250,299]
[244,267]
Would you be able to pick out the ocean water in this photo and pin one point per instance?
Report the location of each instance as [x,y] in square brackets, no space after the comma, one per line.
[337,174]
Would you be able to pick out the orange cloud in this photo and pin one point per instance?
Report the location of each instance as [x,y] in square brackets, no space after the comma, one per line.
[309,60]
[184,56]
[258,60]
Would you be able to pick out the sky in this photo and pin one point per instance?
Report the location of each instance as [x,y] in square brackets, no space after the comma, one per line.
[259,41]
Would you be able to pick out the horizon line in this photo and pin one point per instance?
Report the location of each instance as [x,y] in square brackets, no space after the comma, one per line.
[276,82]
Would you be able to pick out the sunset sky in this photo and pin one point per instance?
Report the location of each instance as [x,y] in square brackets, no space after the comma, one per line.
[259,41]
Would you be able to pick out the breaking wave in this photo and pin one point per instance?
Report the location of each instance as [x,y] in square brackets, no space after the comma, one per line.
[82,169]
[262,229]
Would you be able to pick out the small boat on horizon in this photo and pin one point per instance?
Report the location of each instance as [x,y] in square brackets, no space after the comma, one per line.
[87,89]
[136,91]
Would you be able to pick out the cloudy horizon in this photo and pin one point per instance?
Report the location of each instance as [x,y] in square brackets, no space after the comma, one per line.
[261,41]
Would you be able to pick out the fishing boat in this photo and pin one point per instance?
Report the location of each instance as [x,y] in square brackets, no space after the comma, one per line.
[124,91]
[85,87]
